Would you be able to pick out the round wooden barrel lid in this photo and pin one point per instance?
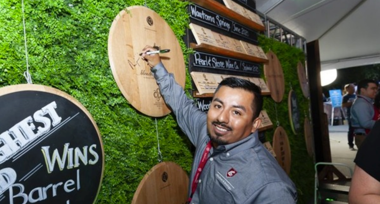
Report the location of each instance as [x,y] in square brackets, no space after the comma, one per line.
[309,139]
[281,148]
[275,77]
[165,183]
[293,110]
[133,29]
[51,149]
[303,80]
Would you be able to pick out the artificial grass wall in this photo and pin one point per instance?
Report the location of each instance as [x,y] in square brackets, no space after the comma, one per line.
[67,48]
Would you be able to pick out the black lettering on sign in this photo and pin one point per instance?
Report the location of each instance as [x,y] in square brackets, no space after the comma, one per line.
[217,62]
[50,148]
[214,20]
[203,104]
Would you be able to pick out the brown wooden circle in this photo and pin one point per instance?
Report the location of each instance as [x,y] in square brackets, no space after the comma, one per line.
[309,138]
[282,148]
[303,80]
[274,77]
[165,183]
[133,29]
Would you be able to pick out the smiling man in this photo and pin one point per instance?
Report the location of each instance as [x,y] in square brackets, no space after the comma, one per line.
[363,113]
[230,163]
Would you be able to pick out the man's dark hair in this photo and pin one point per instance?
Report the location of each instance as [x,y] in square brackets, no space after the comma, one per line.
[233,82]
[365,83]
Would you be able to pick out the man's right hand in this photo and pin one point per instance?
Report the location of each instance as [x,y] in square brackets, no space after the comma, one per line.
[151,59]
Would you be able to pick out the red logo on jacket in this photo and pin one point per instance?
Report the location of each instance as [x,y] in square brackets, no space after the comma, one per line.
[231,172]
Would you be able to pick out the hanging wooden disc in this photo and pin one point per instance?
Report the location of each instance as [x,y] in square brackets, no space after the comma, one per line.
[303,80]
[281,148]
[38,125]
[294,115]
[309,138]
[165,183]
[133,29]
[275,77]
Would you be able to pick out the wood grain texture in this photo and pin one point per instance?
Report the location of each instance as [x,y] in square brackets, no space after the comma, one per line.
[304,83]
[274,77]
[266,123]
[207,83]
[309,138]
[165,183]
[281,148]
[133,29]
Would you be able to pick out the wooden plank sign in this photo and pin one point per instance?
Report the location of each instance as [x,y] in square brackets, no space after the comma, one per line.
[165,183]
[303,80]
[207,83]
[51,149]
[294,115]
[282,148]
[133,29]
[248,48]
[222,41]
[237,46]
[256,18]
[243,11]
[234,7]
[253,50]
[261,83]
[275,77]
[203,35]
[266,123]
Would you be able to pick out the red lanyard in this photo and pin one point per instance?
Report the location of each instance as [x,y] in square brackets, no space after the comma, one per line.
[198,172]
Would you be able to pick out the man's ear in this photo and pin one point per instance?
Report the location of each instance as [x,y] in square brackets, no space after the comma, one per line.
[256,124]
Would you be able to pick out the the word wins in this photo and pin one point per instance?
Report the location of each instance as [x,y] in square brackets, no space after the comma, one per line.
[69,157]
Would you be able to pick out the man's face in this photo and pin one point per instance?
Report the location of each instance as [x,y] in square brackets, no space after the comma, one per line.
[370,91]
[230,117]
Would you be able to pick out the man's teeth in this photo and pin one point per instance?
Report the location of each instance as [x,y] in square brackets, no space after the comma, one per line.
[221,129]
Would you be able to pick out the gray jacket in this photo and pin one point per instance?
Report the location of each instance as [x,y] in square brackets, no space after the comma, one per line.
[362,112]
[258,179]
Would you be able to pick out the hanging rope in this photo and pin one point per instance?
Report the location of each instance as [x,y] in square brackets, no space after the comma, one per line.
[158,143]
[26,73]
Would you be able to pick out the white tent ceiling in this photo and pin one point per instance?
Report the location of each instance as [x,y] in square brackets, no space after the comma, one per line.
[348,31]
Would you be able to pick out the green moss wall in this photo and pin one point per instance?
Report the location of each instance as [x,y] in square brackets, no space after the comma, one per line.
[67,47]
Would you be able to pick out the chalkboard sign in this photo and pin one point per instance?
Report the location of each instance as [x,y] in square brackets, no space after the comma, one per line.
[214,21]
[50,151]
[201,61]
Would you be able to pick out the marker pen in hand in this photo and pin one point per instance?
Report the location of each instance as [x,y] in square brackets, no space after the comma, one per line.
[156,52]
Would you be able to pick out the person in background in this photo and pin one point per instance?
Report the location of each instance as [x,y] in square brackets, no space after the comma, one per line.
[362,110]
[348,99]
[365,183]
[230,163]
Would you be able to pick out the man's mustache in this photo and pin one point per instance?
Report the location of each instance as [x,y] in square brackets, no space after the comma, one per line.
[216,123]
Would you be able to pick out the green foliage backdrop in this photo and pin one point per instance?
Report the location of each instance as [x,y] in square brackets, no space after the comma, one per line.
[67,47]
[302,169]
